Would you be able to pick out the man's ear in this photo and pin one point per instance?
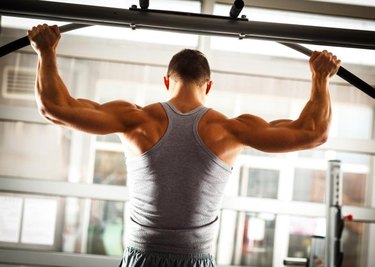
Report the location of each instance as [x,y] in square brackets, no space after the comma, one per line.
[166,82]
[208,88]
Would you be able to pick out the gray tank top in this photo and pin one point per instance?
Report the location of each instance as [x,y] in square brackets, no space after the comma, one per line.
[176,189]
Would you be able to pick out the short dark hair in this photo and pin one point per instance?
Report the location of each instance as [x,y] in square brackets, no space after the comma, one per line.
[190,66]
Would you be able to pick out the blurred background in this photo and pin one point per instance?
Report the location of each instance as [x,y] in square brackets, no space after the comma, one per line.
[63,194]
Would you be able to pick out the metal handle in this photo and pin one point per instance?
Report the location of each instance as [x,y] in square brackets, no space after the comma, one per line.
[342,72]
[24,41]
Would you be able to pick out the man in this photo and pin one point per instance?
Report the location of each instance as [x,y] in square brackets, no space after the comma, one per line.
[179,153]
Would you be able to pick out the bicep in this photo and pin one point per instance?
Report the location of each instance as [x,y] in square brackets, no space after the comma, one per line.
[283,136]
[282,122]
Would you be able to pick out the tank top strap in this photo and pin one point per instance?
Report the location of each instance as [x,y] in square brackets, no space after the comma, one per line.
[173,111]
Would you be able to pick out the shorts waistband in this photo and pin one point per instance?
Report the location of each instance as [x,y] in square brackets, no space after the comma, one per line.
[199,256]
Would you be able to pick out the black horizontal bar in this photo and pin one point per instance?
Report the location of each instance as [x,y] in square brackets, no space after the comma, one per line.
[24,41]
[180,21]
[342,72]
[211,28]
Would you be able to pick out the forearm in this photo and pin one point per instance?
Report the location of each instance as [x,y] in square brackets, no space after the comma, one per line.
[50,89]
[316,115]
[317,110]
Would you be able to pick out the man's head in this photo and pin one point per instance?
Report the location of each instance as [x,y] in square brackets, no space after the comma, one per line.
[189,66]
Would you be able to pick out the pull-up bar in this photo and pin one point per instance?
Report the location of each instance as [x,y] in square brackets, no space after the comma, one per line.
[135,18]
[188,23]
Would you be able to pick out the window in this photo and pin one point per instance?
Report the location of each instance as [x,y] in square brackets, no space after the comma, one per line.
[246,239]
[29,221]
[351,121]
[301,230]
[353,239]
[309,182]
[309,185]
[258,240]
[253,46]
[106,228]
[358,2]
[93,226]
[21,155]
[262,183]
[109,168]
[62,224]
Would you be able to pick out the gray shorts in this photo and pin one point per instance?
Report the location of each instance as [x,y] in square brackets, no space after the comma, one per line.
[138,258]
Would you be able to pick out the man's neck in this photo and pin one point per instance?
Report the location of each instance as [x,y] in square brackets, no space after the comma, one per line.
[186,98]
[185,105]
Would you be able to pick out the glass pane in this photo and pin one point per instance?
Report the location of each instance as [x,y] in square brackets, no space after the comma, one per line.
[39,220]
[354,239]
[354,189]
[348,55]
[253,104]
[355,248]
[309,185]
[139,84]
[312,154]
[110,138]
[109,168]
[246,239]
[73,225]
[351,2]
[258,241]
[354,159]
[226,107]
[18,72]
[94,227]
[226,240]
[356,169]
[253,152]
[106,228]
[299,18]
[62,224]
[300,231]
[10,218]
[34,150]
[30,221]
[361,122]
[262,183]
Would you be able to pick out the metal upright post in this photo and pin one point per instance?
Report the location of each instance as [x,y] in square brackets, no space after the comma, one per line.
[333,200]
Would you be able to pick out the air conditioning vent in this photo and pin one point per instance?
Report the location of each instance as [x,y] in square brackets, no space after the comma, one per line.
[18,82]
